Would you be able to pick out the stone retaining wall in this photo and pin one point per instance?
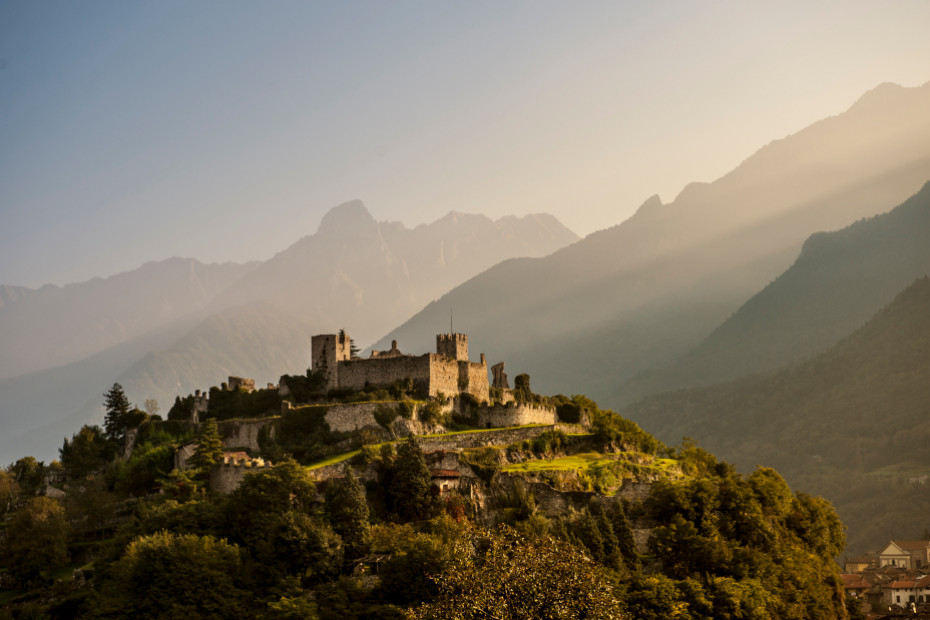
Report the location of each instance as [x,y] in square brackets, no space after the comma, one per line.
[244,433]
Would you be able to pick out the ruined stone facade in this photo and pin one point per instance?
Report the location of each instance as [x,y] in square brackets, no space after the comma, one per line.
[447,372]
[241,383]
[500,377]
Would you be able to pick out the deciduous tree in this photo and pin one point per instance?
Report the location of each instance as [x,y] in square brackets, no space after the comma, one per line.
[36,541]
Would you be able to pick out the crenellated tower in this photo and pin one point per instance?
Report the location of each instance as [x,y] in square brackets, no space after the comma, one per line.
[453,345]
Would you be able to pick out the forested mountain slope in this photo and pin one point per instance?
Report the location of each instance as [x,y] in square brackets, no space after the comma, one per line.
[848,424]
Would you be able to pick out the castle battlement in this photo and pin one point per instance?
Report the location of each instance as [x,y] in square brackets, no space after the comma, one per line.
[448,371]
[452,345]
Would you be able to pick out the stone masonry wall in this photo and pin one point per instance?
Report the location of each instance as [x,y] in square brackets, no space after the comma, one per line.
[477,439]
[353,416]
[356,374]
[478,381]
[244,433]
[516,415]
[443,375]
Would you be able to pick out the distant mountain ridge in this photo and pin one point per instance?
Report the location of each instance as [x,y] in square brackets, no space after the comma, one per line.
[841,424]
[839,280]
[367,275]
[639,295]
[354,273]
[57,325]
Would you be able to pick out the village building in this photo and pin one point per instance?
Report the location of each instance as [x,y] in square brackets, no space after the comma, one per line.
[907,554]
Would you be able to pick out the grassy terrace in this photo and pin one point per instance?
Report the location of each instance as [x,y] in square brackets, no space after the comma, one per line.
[583,462]
[347,455]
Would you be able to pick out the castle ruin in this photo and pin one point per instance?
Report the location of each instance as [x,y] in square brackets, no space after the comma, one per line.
[448,371]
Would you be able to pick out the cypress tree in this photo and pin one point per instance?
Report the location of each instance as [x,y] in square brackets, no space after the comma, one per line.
[410,481]
[347,508]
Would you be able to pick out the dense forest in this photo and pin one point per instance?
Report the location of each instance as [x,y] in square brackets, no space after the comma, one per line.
[108,533]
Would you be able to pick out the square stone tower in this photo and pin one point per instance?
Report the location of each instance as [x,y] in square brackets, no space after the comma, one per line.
[453,345]
[327,350]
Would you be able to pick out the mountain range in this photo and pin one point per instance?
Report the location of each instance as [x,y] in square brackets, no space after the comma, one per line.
[171,327]
[839,280]
[640,295]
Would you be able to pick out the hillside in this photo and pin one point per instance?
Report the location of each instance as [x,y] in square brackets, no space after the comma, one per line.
[592,518]
[837,283]
[641,294]
[848,424]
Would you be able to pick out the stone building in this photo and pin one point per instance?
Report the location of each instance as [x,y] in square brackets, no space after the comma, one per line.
[448,371]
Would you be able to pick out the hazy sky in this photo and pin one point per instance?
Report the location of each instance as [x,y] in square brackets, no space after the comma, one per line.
[134,131]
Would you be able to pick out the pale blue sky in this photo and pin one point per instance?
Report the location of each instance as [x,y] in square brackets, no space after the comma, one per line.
[134,131]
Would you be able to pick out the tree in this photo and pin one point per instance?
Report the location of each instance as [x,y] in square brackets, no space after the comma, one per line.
[36,541]
[86,452]
[151,406]
[90,507]
[515,578]
[209,450]
[270,515]
[347,509]
[120,416]
[29,475]
[9,491]
[409,481]
[167,575]
[521,387]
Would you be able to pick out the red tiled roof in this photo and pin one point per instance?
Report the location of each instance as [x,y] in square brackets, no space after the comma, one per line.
[909,545]
[923,582]
[855,581]
[444,473]
[900,585]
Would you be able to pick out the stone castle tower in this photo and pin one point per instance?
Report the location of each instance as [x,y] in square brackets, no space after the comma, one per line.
[453,345]
[327,350]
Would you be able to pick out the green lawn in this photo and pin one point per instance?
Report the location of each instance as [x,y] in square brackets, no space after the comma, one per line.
[587,460]
[575,462]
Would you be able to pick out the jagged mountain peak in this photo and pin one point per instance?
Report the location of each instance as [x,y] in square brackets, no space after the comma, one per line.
[347,219]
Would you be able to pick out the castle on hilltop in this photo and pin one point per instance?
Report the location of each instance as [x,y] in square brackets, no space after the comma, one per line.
[447,371]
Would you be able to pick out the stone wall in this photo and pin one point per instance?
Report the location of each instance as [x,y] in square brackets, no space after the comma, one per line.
[244,433]
[478,439]
[357,374]
[353,416]
[478,380]
[516,415]
[451,377]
